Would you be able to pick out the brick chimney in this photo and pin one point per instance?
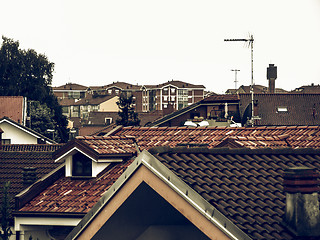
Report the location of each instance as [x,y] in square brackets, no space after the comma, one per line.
[302,215]
[272,76]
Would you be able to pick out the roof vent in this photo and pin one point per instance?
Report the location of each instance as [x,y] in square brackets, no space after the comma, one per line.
[302,215]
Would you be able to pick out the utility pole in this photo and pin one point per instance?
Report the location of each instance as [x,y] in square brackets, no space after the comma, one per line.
[235,77]
[250,41]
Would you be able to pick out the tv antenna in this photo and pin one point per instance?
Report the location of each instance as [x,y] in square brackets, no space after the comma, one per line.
[250,44]
[235,77]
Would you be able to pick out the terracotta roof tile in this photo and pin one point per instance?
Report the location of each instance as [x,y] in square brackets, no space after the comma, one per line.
[70,195]
[257,137]
[12,107]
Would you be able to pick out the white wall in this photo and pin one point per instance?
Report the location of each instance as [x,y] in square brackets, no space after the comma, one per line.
[17,136]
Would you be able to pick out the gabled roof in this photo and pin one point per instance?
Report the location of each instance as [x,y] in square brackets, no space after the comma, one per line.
[298,136]
[70,86]
[26,129]
[13,158]
[239,190]
[91,100]
[122,86]
[13,107]
[99,147]
[176,83]
[307,89]
[68,196]
[31,147]
[302,109]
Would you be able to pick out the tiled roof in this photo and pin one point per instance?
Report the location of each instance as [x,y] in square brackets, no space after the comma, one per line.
[66,101]
[70,86]
[222,98]
[243,184]
[90,100]
[307,89]
[109,145]
[31,147]
[13,162]
[297,136]
[69,195]
[302,109]
[233,99]
[176,83]
[100,147]
[12,107]
[123,86]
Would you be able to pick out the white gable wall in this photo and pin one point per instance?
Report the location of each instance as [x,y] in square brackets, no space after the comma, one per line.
[17,135]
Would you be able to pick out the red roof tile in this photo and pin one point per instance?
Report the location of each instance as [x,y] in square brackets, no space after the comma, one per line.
[69,195]
[12,107]
[256,137]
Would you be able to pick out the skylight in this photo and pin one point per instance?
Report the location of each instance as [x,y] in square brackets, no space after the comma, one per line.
[282,109]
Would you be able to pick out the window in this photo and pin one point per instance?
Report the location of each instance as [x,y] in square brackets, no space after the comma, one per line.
[282,109]
[6,141]
[182,98]
[173,90]
[117,91]
[108,121]
[165,98]
[65,110]
[109,91]
[81,165]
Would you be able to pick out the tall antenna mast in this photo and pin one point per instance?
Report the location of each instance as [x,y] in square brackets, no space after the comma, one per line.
[250,41]
[235,77]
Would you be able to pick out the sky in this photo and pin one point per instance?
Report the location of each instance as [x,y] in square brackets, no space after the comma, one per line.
[97,42]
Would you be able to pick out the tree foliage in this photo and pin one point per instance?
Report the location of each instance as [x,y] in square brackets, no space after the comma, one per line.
[29,74]
[128,117]
[5,213]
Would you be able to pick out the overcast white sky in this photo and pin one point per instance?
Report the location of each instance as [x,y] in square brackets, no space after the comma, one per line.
[97,42]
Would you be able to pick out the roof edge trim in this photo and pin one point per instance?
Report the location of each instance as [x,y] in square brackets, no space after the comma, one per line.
[155,166]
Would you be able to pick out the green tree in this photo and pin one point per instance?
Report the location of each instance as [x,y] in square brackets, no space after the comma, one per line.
[29,74]
[5,213]
[128,117]
[42,119]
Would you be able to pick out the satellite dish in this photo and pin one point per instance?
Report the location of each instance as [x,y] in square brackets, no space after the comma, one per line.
[190,124]
[203,124]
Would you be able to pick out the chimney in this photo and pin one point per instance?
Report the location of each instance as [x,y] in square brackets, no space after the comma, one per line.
[29,176]
[271,76]
[302,216]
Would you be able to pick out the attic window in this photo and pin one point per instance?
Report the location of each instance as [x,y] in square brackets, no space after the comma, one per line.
[282,109]
[81,166]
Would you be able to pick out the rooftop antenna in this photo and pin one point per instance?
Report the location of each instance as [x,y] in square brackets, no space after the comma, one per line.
[250,43]
[235,77]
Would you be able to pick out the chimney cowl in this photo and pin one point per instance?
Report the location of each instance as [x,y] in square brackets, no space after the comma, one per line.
[302,213]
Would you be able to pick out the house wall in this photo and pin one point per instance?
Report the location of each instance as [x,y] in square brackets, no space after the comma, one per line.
[109,106]
[17,136]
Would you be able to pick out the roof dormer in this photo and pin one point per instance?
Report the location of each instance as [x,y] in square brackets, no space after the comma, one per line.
[86,157]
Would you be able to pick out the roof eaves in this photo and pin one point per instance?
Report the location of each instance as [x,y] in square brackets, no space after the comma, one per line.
[191,196]
[26,195]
